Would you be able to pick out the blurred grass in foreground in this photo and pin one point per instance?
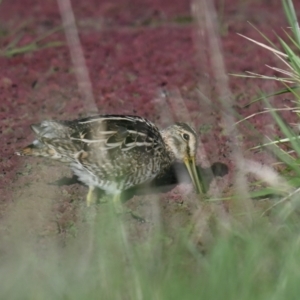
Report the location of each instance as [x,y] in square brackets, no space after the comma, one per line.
[257,262]
[244,260]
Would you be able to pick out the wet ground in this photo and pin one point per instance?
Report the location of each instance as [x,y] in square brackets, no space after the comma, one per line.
[134,51]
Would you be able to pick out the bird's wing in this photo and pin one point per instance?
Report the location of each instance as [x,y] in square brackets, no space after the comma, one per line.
[117,146]
[116,132]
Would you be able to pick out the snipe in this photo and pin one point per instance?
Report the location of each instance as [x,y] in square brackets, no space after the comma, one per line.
[115,152]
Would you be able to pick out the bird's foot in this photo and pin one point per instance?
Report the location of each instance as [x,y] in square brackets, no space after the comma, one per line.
[136,216]
[117,205]
[119,209]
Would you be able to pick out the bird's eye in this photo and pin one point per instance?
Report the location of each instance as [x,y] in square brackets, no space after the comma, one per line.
[186,136]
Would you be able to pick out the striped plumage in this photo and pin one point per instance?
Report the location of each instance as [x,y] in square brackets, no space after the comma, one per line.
[115,152]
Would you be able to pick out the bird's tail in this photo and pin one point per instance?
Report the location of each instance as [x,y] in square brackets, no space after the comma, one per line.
[46,132]
[51,130]
[36,148]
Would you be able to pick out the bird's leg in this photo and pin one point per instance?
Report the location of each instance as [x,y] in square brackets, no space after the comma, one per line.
[117,204]
[91,197]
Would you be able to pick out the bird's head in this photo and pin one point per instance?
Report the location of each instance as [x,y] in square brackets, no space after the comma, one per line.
[181,140]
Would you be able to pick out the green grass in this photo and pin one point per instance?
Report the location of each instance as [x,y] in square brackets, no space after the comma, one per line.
[258,261]
[13,48]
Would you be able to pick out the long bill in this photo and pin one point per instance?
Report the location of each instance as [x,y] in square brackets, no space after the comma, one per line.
[191,167]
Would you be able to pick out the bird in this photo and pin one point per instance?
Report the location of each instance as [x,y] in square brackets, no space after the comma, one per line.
[115,152]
